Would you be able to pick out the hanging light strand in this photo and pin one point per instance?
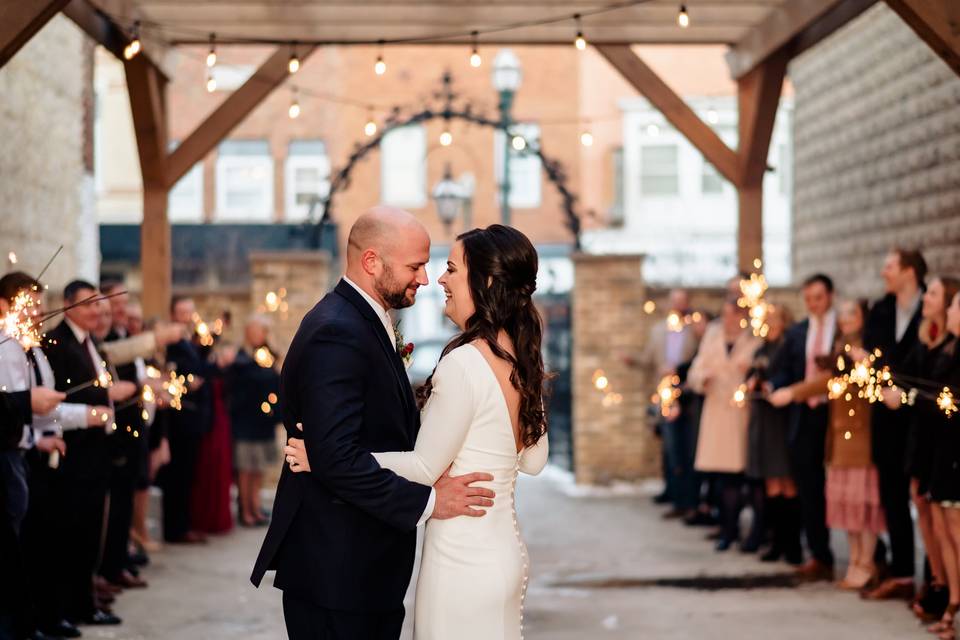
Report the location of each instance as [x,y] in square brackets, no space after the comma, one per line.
[293,65]
[212,55]
[135,46]
[294,110]
[380,67]
[683,18]
[581,42]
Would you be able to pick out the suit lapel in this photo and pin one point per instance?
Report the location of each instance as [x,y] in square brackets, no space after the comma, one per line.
[390,351]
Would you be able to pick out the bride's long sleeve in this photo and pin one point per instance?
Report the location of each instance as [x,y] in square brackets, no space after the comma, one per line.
[534,459]
[446,422]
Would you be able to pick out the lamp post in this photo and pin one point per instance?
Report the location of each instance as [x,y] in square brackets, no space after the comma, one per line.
[507,77]
[449,197]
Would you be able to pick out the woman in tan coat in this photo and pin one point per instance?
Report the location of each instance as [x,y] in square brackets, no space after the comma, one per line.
[720,367]
[853,494]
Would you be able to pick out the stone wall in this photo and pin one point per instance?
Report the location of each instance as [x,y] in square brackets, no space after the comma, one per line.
[46,187]
[877,153]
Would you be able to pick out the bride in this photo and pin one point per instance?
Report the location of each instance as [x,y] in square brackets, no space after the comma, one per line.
[482,410]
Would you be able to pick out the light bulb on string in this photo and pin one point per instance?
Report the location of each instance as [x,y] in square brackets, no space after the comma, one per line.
[294,110]
[294,64]
[135,46]
[683,18]
[586,138]
[712,116]
[371,127]
[518,143]
[380,67]
[475,59]
[446,139]
[212,56]
[211,83]
[580,42]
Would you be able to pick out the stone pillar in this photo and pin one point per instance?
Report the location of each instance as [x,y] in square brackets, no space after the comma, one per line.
[305,278]
[611,438]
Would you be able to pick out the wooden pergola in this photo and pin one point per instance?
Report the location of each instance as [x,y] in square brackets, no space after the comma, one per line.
[762,35]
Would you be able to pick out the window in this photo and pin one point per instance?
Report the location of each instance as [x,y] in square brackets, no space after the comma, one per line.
[245,181]
[659,170]
[185,203]
[711,182]
[783,171]
[525,178]
[231,76]
[403,167]
[615,215]
[307,178]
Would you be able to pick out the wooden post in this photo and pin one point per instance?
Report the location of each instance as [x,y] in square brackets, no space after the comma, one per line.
[937,22]
[147,88]
[758,96]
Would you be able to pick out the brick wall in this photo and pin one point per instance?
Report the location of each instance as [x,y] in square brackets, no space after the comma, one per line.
[44,186]
[877,153]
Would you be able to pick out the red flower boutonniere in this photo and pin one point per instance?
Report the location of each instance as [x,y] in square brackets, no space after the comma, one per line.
[404,348]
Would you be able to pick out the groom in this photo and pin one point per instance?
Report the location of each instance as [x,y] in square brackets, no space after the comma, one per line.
[343,537]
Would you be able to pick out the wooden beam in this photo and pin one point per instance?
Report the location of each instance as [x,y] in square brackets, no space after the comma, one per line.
[147,89]
[776,31]
[104,31]
[231,112]
[828,23]
[937,22]
[674,109]
[20,20]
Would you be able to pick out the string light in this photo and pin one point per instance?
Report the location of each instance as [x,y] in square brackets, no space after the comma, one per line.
[712,116]
[294,110]
[581,42]
[475,59]
[212,56]
[446,139]
[294,64]
[683,18]
[211,83]
[380,67]
[135,47]
[370,128]
[518,143]
[586,139]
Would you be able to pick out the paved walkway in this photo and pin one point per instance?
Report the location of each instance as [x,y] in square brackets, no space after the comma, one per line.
[600,563]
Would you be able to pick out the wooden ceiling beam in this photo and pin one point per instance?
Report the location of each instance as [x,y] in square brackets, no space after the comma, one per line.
[937,22]
[20,20]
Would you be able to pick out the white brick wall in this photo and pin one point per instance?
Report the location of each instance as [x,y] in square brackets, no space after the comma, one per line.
[877,153]
[42,183]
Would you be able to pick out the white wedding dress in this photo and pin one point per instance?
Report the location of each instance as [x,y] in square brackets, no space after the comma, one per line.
[473,575]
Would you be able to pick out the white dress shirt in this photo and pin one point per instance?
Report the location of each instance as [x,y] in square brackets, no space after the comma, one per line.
[388,327]
[83,337]
[905,315]
[829,321]
[15,375]
[68,416]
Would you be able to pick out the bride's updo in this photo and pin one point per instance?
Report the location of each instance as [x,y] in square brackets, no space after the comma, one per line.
[502,273]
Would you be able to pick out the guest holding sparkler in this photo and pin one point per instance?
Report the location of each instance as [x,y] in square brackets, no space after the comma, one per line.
[775,501]
[892,327]
[804,343]
[185,428]
[852,490]
[717,371]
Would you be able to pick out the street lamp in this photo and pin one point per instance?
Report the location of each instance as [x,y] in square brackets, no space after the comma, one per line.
[449,196]
[507,77]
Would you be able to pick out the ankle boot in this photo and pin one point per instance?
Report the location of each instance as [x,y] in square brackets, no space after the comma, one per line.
[775,517]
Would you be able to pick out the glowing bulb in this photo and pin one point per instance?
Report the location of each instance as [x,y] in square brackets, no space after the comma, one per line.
[211,58]
[12,257]
[586,139]
[712,116]
[380,67]
[294,65]
[518,143]
[475,59]
[580,43]
[132,49]
[370,128]
[211,84]
[649,307]
[294,110]
[683,18]
[653,130]
[446,139]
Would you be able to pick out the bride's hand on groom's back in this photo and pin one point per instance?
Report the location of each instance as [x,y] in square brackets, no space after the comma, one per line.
[456,496]
[295,453]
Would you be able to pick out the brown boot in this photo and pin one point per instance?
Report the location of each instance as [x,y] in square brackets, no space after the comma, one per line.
[815,571]
[892,589]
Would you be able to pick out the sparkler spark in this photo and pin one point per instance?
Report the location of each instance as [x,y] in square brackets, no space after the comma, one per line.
[752,290]
[668,392]
[946,403]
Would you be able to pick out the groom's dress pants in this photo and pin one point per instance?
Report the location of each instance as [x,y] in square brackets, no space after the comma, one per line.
[307,621]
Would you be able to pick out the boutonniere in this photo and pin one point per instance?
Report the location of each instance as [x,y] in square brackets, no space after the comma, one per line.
[404,348]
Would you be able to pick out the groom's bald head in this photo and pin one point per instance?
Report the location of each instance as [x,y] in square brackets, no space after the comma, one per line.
[387,250]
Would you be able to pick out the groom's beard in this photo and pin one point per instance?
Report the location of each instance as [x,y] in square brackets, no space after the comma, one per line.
[393,293]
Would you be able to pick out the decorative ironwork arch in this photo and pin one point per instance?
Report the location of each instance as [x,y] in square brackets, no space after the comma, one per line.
[447,111]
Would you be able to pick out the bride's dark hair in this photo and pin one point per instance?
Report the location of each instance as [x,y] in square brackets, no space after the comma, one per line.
[502,274]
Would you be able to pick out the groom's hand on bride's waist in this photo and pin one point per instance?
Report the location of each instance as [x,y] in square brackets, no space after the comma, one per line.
[457,497]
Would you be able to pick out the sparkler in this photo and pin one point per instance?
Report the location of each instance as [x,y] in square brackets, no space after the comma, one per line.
[263,357]
[20,322]
[740,396]
[275,301]
[945,402]
[752,290]
[668,392]
[176,388]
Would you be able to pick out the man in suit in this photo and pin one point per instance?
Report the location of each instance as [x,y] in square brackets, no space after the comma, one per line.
[892,326]
[86,469]
[342,538]
[803,343]
[185,428]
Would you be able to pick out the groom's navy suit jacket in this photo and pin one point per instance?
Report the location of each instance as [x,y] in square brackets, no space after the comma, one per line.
[344,535]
